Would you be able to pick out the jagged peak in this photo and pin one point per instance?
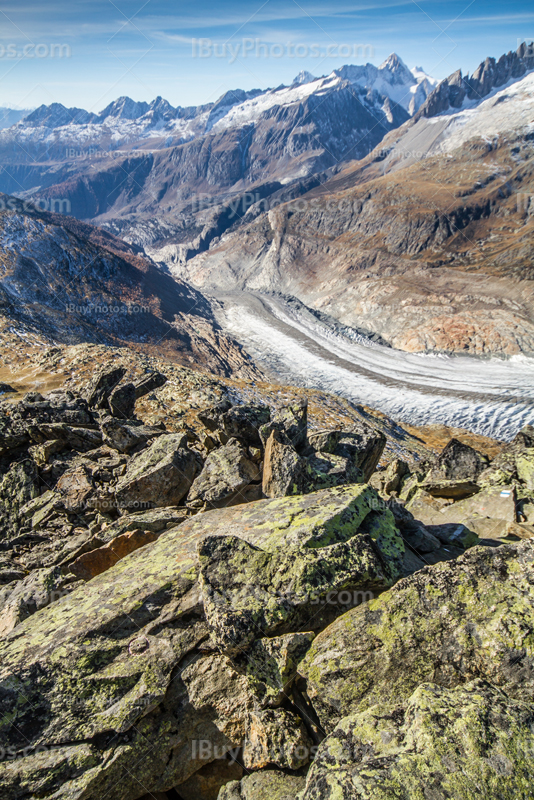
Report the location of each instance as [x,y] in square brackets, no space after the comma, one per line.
[304,77]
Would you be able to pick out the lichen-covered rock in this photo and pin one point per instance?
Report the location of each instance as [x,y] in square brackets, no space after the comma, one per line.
[127,437]
[467,742]
[23,598]
[361,447]
[290,420]
[244,423]
[90,683]
[276,736]
[449,623]
[249,592]
[229,477]
[100,388]
[271,665]
[159,476]
[284,471]
[18,486]
[264,785]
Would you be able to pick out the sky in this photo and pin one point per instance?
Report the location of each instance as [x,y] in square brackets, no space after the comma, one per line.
[87,53]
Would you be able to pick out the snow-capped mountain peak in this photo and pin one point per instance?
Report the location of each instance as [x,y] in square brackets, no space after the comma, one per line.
[124,108]
[392,79]
[304,77]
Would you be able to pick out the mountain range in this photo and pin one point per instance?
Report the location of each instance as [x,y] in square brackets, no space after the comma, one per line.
[394,205]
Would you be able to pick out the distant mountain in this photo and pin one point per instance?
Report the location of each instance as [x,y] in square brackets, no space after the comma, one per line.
[149,171]
[408,88]
[10,116]
[428,242]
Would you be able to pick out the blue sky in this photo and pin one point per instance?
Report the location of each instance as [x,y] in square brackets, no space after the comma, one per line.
[144,49]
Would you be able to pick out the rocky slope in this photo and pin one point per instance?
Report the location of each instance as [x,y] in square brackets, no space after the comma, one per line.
[427,242]
[162,631]
[65,281]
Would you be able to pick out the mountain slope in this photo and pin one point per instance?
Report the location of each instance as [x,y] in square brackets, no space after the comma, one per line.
[427,242]
[64,281]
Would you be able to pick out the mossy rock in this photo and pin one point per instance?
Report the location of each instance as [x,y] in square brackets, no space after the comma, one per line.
[450,623]
[465,743]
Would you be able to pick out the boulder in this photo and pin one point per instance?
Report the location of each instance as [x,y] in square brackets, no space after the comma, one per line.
[271,665]
[159,476]
[265,785]
[122,401]
[237,422]
[102,385]
[362,446]
[127,437]
[149,383]
[395,475]
[284,471]
[467,741]
[244,423]
[75,487]
[81,439]
[451,623]
[292,421]
[117,688]
[458,462]
[229,477]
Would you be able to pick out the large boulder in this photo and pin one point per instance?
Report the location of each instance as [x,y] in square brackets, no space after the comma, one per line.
[470,741]
[99,390]
[119,687]
[159,476]
[229,477]
[361,446]
[458,462]
[450,623]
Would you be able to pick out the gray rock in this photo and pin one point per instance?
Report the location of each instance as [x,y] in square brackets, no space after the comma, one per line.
[99,390]
[228,477]
[448,624]
[122,401]
[159,476]
[284,471]
[469,741]
[290,420]
[127,438]
[149,383]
